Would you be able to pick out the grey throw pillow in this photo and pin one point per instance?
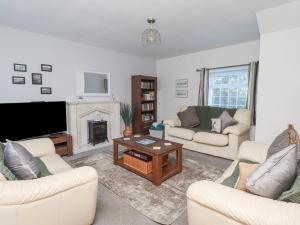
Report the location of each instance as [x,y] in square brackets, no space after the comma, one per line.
[189,117]
[281,142]
[275,175]
[226,120]
[21,162]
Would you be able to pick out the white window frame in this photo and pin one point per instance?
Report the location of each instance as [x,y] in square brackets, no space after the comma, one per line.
[224,86]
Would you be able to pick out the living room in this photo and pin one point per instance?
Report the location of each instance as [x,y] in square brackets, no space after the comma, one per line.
[137,112]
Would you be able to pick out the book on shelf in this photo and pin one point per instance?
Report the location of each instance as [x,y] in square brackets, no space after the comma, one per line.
[147,106]
[147,117]
[147,85]
[148,96]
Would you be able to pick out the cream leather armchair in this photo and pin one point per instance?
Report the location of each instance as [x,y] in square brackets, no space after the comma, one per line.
[210,203]
[68,197]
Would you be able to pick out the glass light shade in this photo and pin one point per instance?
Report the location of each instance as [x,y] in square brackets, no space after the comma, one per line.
[151,37]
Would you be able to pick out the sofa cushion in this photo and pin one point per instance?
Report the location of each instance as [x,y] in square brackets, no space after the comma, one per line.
[21,162]
[275,175]
[181,133]
[189,117]
[211,138]
[55,164]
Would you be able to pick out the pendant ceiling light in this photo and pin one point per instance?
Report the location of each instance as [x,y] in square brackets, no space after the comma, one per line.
[151,36]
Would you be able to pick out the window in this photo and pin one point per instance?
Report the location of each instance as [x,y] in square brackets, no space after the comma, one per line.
[228,87]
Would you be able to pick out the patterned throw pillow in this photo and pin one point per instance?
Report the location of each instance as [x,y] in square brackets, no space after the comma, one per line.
[3,169]
[226,120]
[216,125]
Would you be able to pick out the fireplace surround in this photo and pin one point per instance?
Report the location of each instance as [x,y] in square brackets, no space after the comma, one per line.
[80,112]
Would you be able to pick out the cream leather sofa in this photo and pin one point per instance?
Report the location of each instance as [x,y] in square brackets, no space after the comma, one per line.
[223,145]
[210,203]
[68,197]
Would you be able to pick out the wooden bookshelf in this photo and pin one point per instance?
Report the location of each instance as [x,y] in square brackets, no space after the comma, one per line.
[144,102]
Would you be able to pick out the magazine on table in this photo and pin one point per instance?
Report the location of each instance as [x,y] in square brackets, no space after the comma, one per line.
[145,141]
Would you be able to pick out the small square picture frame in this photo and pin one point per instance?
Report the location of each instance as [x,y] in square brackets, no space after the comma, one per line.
[18,80]
[46,67]
[37,78]
[18,67]
[46,90]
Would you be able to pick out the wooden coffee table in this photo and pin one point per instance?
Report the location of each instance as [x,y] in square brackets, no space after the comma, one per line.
[159,172]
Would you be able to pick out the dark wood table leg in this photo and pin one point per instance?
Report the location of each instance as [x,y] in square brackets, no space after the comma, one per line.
[157,170]
[179,159]
[116,155]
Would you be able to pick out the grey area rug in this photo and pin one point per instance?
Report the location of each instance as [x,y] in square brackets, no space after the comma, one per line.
[163,204]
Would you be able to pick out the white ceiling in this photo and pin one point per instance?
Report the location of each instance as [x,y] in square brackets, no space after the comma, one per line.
[185,25]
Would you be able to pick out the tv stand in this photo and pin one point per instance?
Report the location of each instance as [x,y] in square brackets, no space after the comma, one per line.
[55,135]
[63,143]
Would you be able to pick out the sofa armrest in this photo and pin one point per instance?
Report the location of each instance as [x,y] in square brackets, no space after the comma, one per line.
[26,191]
[241,206]
[238,129]
[39,147]
[172,122]
[253,151]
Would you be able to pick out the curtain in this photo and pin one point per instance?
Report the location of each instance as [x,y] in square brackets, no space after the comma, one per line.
[251,102]
[203,88]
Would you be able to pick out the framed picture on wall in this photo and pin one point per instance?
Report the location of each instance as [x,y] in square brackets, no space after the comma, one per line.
[46,67]
[46,90]
[181,93]
[182,83]
[20,67]
[18,80]
[36,78]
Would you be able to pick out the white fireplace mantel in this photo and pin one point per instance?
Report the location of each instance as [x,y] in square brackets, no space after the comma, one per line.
[80,112]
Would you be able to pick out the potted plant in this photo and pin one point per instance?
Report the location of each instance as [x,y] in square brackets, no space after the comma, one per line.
[127,116]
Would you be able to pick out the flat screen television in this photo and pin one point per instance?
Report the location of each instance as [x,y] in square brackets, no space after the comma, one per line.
[33,119]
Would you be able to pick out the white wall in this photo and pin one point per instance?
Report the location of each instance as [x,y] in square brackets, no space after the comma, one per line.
[18,46]
[278,84]
[279,77]
[184,66]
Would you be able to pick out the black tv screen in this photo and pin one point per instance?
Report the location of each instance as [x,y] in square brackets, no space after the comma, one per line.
[26,120]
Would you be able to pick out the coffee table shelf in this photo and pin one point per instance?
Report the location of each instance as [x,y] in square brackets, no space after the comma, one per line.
[160,172]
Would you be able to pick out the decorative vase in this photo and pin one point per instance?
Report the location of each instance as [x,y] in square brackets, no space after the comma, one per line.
[128,131]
